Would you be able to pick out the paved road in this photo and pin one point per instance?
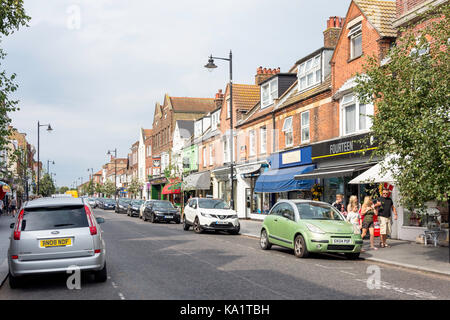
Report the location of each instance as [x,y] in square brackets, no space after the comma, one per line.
[160,261]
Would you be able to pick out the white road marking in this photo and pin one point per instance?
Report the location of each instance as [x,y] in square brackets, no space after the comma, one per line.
[410,291]
[122,297]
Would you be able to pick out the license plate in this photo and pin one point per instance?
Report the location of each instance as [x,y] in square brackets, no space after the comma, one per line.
[63,242]
[341,241]
[221,222]
[168,217]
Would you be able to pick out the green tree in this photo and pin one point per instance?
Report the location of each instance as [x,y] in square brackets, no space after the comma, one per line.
[135,187]
[46,186]
[12,17]
[109,189]
[63,190]
[98,188]
[412,122]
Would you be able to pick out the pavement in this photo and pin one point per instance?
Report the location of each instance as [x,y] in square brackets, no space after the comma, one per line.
[162,261]
[5,232]
[404,254]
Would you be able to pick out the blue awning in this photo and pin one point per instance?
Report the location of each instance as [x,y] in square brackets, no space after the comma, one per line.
[282,180]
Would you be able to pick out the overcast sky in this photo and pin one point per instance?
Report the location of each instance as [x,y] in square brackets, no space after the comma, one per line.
[95,69]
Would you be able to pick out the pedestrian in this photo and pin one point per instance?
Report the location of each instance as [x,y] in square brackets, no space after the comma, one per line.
[385,205]
[12,206]
[339,204]
[1,206]
[353,213]
[368,210]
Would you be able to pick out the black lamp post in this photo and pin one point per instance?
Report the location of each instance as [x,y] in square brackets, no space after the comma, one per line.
[211,66]
[115,171]
[91,178]
[49,129]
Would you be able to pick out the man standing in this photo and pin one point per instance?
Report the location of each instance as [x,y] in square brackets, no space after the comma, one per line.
[385,205]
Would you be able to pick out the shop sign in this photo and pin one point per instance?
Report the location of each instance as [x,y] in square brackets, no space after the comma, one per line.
[292,158]
[159,181]
[248,168]
[349,147]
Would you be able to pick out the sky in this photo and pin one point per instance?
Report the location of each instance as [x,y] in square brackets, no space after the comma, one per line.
[95,69]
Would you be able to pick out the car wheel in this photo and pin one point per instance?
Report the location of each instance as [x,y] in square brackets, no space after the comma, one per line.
[152,218]
[177,221]
[234,232]
[186,226]
[197,226]
[264,241]
[101,275]
[352,256]
[300,249]
[14,282]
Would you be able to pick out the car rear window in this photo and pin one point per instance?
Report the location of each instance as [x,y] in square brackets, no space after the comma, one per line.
[45,218]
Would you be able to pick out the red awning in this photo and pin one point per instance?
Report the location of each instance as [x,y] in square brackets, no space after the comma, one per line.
[172,188]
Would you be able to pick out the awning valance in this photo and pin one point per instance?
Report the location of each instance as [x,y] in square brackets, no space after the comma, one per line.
[197,181]
[331,172]
[282,180]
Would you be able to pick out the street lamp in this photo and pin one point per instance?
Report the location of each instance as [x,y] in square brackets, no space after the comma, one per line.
[49,129]
[91,178]
[211,66]
[115,171]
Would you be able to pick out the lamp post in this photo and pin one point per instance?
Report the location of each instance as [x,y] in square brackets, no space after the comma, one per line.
[115,171]
[49,129]
[91,178]
[211,66]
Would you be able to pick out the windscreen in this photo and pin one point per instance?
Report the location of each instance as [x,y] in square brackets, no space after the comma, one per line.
[45,218]
[212,204]
[162,205]
[316,211]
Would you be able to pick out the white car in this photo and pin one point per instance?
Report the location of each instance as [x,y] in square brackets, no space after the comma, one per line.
[142,208]
[210,214]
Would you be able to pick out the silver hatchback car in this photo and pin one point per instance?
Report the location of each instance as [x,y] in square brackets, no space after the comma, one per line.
[53,234]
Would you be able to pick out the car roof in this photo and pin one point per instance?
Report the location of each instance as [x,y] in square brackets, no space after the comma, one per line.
[53,202]
[301,201]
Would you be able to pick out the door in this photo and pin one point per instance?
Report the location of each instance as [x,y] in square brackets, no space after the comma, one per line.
[272,222]
[190,210]
[288,224]
[248,202]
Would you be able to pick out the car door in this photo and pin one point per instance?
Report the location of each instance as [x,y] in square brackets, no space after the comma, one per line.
[272,223]
[189,211]
[288,225]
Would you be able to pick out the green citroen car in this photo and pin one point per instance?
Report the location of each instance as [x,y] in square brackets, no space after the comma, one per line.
[310,226]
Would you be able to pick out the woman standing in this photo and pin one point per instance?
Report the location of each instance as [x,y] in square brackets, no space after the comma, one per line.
[368,210]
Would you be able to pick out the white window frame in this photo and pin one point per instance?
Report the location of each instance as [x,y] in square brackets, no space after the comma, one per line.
[350,100]
[226,150]
[262,140]
[287,129]
[354,33]
[252,143]
[211,159]
[269,92]
[305,126]
[204,157]
[311,67]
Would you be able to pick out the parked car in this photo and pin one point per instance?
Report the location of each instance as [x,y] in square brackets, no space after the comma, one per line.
[210,214]
[52,234]
[160,210]
[98,202]
[108,204]
[122,205]
[142,208]
[133,208]
[309,226]
[91,202]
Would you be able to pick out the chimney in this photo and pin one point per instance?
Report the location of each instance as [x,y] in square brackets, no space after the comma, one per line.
[218,100]
[263,74]
[331,34]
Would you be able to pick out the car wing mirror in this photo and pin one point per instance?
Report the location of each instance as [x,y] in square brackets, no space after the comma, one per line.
[100,220]
[11,226]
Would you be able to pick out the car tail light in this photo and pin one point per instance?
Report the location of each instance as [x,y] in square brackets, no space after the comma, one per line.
[98,251]
[14,257]
[18,227]
[92,227]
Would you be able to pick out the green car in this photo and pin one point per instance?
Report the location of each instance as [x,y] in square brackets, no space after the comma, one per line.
[310,226]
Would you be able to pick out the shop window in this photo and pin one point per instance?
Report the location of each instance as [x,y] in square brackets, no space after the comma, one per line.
[433,217]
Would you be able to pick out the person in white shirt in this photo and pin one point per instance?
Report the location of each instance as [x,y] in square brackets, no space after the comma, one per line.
[353,212]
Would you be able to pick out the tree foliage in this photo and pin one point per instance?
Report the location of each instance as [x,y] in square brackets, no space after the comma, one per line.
[109,189]
[46,186]
[412,119]
[63,190]
[12,17]
[135,187]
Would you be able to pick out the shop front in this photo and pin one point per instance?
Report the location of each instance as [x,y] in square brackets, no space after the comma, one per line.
[172,191]
[222,186]
[337,162]
[198,184]
[277,182]
[249,204]
[411,223]
[157,188]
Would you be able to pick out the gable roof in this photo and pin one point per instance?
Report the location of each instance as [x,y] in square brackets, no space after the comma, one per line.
[380,14]
[185,104]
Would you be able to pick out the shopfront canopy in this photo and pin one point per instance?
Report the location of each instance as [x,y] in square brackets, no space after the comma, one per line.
[282,180]
[172,188]
[374,175]
[332,172]
[197,181]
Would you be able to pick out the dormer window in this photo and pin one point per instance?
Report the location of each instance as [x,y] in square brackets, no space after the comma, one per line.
[309,73]
[215,119]
[355,35]
[269,92]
